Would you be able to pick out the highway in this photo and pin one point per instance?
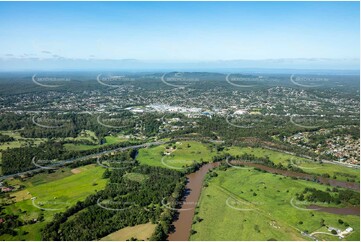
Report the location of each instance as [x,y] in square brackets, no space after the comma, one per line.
[99,154]
[66,162]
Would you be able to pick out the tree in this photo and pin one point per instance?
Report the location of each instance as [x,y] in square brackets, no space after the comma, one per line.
[106,174]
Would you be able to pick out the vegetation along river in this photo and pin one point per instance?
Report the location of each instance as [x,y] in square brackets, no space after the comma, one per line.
[183,224]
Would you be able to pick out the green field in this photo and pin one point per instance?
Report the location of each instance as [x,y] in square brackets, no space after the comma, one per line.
[136,177]
[54,193]
[42,178]
[79,147]
[228,210]
[184,154]
[245,204]
[306,165]
[84,135]
[114,139]
[19,140]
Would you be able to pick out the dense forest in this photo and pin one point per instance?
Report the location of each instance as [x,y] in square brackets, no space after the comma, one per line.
[21,159]
[63,125]
[5,138]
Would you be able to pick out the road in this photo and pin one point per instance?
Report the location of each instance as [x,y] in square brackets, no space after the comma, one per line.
[323,233]
[66,162]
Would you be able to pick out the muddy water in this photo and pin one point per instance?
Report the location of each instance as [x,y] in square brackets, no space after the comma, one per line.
[335,183]
[343,211]
[183,224]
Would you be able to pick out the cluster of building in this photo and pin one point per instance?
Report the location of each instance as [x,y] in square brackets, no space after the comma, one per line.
[6,188]
[343,148]
[190,112]
[341,234]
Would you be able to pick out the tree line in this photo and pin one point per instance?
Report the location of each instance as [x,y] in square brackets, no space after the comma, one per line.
[336,196]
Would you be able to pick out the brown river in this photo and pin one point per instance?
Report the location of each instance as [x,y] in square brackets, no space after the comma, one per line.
[350,185]
[194,186]
[183,224]
[343,211]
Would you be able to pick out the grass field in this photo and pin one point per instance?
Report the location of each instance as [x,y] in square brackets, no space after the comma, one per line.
[184,154]
[114,139]
[136,177]
[43,178]
[109,141]
[305,164]
[245,204]
[140,232]
[19,140]
[84,135]
[54,193]
[229,209]
[70,189]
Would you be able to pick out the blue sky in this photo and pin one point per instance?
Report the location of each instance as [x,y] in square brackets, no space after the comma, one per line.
[180,31]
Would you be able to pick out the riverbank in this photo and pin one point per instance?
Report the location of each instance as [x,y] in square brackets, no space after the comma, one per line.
[183,224]
[327,181]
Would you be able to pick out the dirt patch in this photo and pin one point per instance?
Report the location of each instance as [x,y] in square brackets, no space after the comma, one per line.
[141,232]
[22,195]
[169,151]
[76,171]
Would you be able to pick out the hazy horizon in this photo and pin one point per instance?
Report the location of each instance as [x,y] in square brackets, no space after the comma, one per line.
[29,64]
[138,35]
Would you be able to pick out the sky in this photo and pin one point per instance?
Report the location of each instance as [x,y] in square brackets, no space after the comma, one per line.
[179,31]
